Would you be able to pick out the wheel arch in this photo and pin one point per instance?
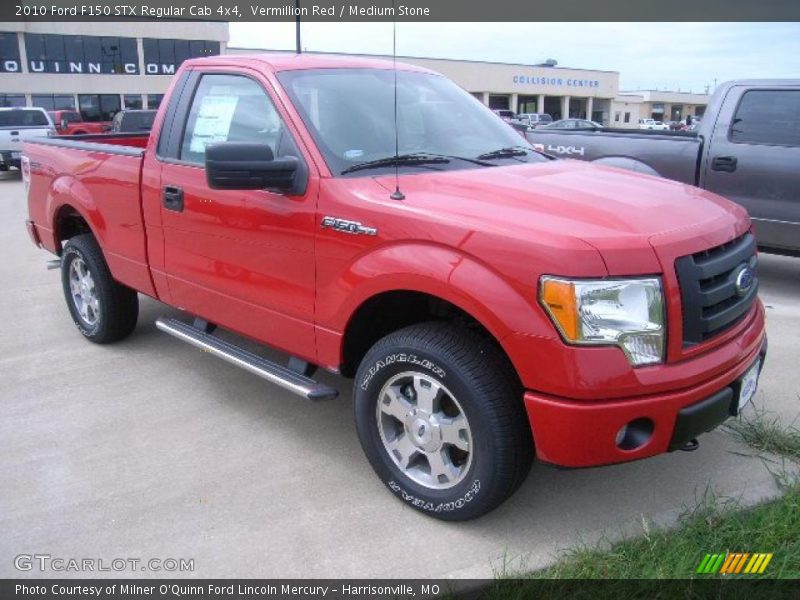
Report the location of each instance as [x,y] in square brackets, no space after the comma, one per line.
[432,284]
[72,211]
[628,163]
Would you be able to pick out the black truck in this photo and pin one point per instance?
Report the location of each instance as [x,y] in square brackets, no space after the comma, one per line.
[747,148]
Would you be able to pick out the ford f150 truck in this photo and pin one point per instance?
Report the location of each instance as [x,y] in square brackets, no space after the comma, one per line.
[70,122]
[746,148]
[488,300]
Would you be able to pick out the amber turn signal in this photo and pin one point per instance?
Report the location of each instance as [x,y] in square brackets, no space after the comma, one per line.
[558,298]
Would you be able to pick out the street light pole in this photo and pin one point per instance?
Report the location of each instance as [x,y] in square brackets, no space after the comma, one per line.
[297,25]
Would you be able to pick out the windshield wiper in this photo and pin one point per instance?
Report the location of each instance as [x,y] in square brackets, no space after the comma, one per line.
[417,158]
[508,152]
[400,160]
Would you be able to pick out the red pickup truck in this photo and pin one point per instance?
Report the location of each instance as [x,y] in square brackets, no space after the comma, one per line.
[70,122]
[490,302]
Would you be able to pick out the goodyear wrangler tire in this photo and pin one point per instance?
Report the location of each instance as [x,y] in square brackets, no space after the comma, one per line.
[440,417]
[103,310]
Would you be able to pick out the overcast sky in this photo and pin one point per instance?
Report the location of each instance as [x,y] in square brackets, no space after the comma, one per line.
[685,56]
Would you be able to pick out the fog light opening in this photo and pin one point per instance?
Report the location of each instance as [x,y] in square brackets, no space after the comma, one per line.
[635,434]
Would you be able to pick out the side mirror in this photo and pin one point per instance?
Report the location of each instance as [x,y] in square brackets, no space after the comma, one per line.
[248,166]
[63,124]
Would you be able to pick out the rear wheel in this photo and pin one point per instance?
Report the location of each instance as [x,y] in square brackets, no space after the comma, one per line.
[439,415]
[103,310]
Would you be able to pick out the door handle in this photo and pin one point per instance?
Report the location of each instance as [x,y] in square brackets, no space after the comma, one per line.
[172,198]
[724,163]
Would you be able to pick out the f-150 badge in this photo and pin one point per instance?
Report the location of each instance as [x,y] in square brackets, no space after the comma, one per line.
[345,226]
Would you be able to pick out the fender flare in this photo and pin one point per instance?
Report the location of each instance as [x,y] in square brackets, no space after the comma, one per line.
[66,190]
[440,271]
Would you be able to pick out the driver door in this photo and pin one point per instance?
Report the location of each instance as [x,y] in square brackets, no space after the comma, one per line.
[243,259]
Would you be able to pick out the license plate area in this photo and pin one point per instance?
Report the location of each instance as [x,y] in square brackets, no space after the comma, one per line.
[746,387]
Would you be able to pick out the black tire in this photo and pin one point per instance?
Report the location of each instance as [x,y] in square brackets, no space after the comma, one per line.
[476,373]
[118,305]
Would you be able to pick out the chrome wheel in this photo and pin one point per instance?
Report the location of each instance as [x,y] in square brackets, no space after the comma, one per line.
[424,430]
[84,292]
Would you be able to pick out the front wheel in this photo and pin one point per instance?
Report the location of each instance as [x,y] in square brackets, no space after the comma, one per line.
[439,414]
[103,310]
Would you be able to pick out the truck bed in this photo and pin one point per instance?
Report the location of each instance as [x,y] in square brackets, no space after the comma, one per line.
[100,174]
[671,154]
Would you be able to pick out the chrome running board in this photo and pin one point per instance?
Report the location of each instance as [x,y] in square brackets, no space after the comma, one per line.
[279,375]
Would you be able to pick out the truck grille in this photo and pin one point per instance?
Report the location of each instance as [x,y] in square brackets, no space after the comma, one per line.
[714,289]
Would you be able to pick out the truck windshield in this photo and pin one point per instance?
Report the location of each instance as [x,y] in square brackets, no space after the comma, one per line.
[23,118]
[350,114]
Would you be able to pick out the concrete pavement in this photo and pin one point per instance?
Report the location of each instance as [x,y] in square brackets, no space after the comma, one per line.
[152,449]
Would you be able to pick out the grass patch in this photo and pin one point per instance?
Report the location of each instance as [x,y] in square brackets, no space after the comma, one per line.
[715,526]
[662,564]
[767,434]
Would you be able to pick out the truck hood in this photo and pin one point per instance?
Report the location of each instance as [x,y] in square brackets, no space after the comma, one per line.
[614,210]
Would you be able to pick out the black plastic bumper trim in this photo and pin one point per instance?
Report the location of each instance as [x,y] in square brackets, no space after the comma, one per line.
[700,417]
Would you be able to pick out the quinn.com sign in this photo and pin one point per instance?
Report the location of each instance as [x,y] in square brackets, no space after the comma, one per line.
[64,67]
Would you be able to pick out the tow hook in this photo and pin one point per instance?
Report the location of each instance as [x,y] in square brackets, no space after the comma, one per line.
[691,445]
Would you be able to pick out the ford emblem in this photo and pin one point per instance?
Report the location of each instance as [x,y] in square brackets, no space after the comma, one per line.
[744,280]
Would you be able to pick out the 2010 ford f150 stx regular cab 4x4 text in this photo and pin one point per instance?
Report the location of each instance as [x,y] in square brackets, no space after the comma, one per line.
[488,300]
[746,148]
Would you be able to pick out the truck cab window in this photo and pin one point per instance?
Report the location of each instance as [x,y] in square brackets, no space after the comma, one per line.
[768,117]
[229,108]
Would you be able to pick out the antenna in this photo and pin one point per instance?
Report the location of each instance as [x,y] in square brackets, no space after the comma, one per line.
[396,194]
[297,26]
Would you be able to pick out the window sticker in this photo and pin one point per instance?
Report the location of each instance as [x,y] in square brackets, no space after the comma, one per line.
[213,121]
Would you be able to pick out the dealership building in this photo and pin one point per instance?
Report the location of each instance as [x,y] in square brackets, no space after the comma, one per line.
[667,106]
[98,68]
[545,87]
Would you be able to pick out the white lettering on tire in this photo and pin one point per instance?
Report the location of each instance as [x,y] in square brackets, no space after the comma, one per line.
[430,506]
[401,357]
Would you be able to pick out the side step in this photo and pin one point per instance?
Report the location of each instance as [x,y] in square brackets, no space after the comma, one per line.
[272,372]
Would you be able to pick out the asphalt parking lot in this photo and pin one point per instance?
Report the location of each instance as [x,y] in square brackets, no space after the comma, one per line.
[152,449]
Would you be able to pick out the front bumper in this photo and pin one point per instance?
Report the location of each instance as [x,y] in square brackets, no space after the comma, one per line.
[574,433]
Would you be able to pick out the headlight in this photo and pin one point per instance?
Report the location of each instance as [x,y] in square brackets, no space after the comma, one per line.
[628,313]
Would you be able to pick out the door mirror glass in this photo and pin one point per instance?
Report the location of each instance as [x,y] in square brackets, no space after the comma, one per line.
[248,166]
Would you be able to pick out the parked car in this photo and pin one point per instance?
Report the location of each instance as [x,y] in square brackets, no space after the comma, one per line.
[506,115]
[127,121]
[487,299]
[746,147]
[19,124]
[652,124]
[573,124]
[534,120]
[70,122]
